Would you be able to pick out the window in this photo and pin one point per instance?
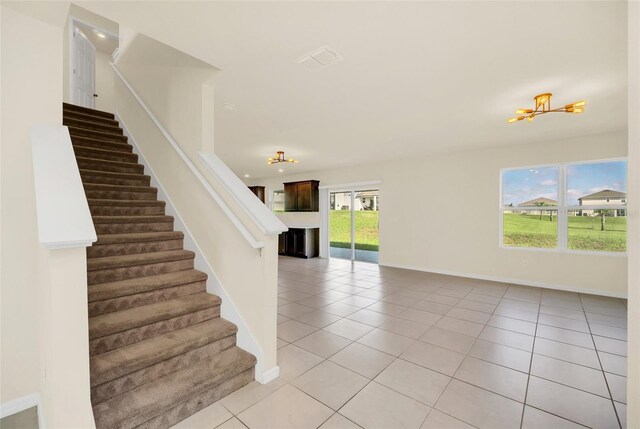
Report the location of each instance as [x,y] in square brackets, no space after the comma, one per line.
[577,206]
[530,207]
[277,201]
[596,203]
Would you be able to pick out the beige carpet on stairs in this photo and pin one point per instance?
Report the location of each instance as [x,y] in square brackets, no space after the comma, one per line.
[159,349]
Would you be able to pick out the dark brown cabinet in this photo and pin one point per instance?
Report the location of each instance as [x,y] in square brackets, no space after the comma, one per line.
[301,196]
[258,191]
[299,242]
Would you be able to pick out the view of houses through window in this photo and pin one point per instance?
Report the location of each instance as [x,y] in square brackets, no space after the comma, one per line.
[358,241]
[577,206]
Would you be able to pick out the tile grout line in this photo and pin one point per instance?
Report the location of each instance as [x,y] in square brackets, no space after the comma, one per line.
[533,347]
[451,377]
[615,410]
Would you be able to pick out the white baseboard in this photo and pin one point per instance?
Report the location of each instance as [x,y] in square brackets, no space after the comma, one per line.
[268,376]
[498,279]
[228,310]
[23,403]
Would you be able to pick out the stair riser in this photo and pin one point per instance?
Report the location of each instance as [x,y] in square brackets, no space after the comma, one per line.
[119,156]
[105,166]
[115,249]
[110,342]
[120,195]
[70,114]
[125,210]
[85,110]
[115,180]
[126,228]
[110,137]
[131,301]
[130,381]
[93,125]
[123,273]
[199,402]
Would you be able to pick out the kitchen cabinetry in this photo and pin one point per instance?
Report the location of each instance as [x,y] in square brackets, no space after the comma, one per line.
[258,191]
[301,196]
[299,242]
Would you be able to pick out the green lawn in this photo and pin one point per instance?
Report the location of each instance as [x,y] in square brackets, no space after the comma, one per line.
[366,229]
[584,233]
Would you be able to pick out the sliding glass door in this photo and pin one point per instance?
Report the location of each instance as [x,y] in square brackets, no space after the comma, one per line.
[340,225]
[366,232]
[353,225]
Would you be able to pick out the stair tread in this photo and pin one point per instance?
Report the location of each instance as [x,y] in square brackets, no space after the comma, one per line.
[86,123]
[105,151]
[108,262]
[75,114]
[77,140]
[119,321]
[132,203]
[88,110]
[124,188]
[125,360]
[137,237]
[109,161]
[152,399]
[132,219]
[102,291]
[97,133]
[113,174]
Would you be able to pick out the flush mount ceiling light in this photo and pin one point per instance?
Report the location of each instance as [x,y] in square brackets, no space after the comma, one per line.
[543,105]
[280,158]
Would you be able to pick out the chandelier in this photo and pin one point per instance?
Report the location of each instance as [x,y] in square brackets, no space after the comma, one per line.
[280,158]
[543,105]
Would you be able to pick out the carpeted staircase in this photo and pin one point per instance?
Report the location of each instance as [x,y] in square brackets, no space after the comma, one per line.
[159,349]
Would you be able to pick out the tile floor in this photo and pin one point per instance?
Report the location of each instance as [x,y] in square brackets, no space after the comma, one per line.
[375,347]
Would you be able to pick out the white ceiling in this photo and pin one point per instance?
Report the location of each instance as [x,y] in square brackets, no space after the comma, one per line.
[417,77]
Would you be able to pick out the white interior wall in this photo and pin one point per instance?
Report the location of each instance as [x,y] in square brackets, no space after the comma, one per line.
[175,85]
[633,358]
[104,82]
[446,205]
[31,67]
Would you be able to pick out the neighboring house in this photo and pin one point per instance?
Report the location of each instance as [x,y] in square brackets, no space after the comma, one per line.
[537,202]
[603,198]
[540,201]
[364,200]
[367,200]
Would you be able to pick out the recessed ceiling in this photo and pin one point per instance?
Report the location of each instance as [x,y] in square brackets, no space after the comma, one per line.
[417,77]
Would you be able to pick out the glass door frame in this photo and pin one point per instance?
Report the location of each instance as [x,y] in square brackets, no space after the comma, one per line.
[325,191]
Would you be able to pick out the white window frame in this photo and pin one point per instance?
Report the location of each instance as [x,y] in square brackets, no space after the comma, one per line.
[562,209]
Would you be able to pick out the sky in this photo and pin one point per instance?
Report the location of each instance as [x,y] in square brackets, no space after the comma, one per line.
[523,185]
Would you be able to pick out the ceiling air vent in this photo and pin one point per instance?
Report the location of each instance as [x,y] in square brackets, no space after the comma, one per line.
[320,58]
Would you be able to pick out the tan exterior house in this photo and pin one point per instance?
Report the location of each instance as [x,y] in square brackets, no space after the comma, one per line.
[603,198]
[537,202]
